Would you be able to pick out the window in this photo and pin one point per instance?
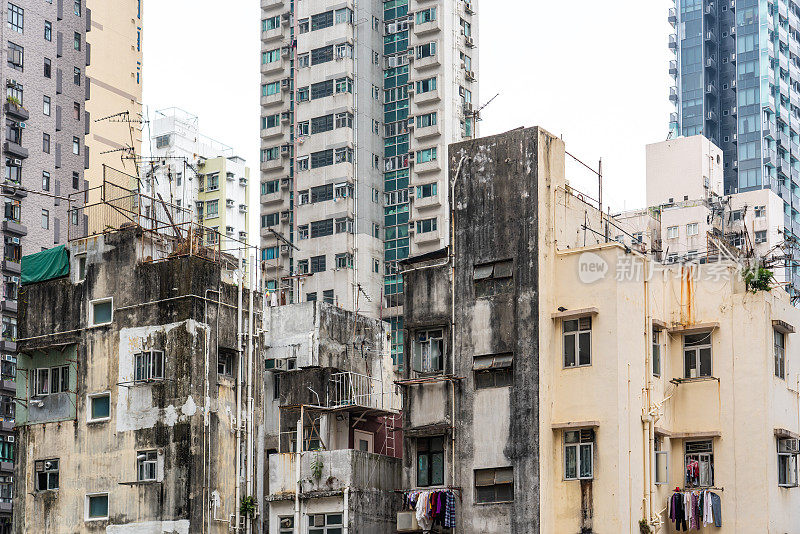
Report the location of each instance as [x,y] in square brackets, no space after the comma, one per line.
[321,89]
[761,236]
[426,155]
[148,365]
[76,41]
[344,225]
[579,454]
[344,15]
[46,105]
[780,357]
[269,219]
[328,297]
[45,219]
[426,225]
[46,474]
[428,351]
[267,188]
[76,112]
[493,278]
[325,524]
[96,507]
[426,15]
[212,181]
[343,155]
[493,370]
[344,261]
[699,464]
[692,229]
[12,210]
[317,264]
[50,380]
[426,50]
[577,342]
[99,406]
[101,312]
[322,55]
[77,7]
[344,85]
[285,524]
[46,143]
[9,326]
[344,120]
[45,181]
[48,31]
[787,462]
[430,461]
[321,21]
[303,61]
[146,463]
[429,119]
[494,485]
[212,209]
[272,23]
[302,94]
[322,228]
[15,56]
[225,363]
[672,232]
[311,297]
[760,211]
[76,146]
[75,181]
[76,76]
[321,159]
[304,26]
[697,355]
[656,352]
[661,474]
[322,124]
[302,232]
[16,16]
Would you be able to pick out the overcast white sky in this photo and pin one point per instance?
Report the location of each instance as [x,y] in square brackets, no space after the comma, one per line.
[592,72]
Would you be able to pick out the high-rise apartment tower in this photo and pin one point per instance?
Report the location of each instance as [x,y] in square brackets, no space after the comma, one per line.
[359,104]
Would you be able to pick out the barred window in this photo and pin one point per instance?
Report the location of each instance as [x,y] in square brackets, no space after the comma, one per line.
[322,55]
[321,20]
[322,193]
[322,124]
[322,89]
[321,159]
[322,228]
[317,264]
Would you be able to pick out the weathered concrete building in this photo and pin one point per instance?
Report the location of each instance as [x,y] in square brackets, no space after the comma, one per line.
[555,385]
[137,406]
[330,385]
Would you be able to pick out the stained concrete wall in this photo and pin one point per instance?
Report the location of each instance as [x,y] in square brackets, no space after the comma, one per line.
[188,417]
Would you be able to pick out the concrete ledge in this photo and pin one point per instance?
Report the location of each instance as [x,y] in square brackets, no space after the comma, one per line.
[574,314]
[693,328]
[662,432]
[784,433]
[782,326]
[428,430]
[575,424]
[658,324]
[697,435]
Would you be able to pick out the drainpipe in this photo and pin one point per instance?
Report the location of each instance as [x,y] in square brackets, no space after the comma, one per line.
[346,514]
[250,330]
[298,460]
[647,418]
[453,315]
[239,376]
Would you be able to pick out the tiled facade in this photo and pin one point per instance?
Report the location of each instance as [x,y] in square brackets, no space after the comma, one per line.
[44,72]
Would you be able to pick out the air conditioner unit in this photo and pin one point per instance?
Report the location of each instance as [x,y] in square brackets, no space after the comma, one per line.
[285,117]
[285,215]
[10,439]
[285,150]
[411,90]
[38,403]
[285,249]
[407,522]
[286,83]
[286,50]
[230,203]
[285,183]
[788,445]
[411,228]
[470,42]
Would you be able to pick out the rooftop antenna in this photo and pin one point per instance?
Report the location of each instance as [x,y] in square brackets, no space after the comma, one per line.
[476,115]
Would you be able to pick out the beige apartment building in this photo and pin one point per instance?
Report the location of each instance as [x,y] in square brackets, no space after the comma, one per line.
[115,85]
[557,385]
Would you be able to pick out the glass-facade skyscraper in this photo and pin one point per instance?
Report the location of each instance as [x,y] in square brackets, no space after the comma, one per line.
[737,82]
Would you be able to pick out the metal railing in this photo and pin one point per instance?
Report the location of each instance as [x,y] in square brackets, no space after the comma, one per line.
[347,389]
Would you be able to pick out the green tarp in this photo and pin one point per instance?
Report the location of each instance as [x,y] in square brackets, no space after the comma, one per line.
[45,265]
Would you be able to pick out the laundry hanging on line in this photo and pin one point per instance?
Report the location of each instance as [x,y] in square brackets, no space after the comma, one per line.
[693,509]
[433,507]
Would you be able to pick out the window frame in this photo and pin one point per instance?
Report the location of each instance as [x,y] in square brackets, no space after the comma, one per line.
[578,447]
[429,453]
[87,507]
[153,363]
[576,335]
[696,349]
[40,468]
[92,304]
[779,353]
[791,458]
[709,457]
[418,362]
[494,472]
[150,461]
[89,406]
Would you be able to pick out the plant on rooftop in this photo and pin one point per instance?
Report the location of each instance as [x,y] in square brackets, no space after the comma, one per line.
[316,466]
[757,279]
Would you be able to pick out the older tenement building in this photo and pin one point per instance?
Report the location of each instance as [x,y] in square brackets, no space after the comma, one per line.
[559,381]
[137,405]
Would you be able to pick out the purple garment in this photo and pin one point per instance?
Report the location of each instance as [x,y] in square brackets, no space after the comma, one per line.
[695,517]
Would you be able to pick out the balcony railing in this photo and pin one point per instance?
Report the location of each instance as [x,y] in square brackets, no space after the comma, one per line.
[355,390]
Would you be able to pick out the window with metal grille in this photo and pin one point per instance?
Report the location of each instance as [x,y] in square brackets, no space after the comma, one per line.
[579,454]
[699,464]
[325,524]
[322,89]
[322,124]
[322,55]
[494,485]
[317,264]
[787,462]
[321,20]
[321,228]
[328,297]
[428,351]
[322,193]
[321,159]
[344,261]
[148,365]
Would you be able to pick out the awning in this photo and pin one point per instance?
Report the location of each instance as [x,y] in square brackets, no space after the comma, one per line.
[575,314]
[45,265]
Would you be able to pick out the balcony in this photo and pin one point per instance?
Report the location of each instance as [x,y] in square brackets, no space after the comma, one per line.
[273,66]
[272,198]
[425,203]
[428,27]
[768,129]
[427,237]
[12,227]
[273,165]
[673,42]
[269,5]
[673,68]
[426,62]
[427,132]
[712,116]
[711,37]
[711,63]
[12,266]
[427,97]
[428,166]
[272,100]
[17,151]
[711,89]
[673,16]
[15,111]
[274,34]
[342,468]
[673,94]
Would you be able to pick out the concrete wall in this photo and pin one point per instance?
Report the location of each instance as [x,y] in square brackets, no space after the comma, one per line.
[685,168]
